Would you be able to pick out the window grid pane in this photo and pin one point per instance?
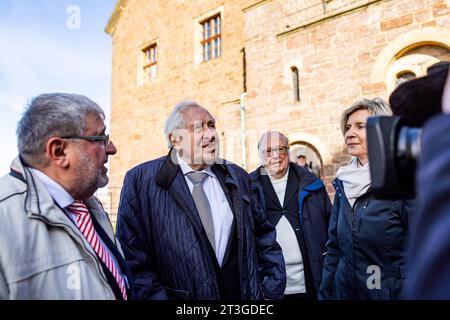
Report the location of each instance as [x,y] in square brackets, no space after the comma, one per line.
[216,53]
[208,30]
[219,47]
[217,25]
[148,57]
[208,51]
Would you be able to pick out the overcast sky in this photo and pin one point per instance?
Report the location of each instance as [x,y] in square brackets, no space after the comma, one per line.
[51,46]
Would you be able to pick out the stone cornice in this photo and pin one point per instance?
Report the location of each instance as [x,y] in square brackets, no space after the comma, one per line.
[115,17]
[256,5]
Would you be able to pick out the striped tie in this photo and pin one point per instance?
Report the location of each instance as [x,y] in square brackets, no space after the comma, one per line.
[84,223]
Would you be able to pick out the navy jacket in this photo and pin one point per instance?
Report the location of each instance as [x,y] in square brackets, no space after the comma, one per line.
[314,208]
[166,246]
[366,248]
[428,275]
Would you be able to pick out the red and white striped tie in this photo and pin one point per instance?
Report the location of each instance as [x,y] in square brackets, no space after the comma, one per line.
[84,223]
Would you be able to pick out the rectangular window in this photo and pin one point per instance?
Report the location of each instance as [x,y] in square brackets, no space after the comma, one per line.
[150,62]
[211,42]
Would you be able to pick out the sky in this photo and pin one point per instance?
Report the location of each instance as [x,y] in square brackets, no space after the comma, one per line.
[51,46]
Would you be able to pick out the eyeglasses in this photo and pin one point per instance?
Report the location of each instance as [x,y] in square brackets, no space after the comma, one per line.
[104,139]
[280,150]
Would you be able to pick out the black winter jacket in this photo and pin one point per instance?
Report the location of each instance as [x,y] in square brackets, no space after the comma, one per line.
[366,247]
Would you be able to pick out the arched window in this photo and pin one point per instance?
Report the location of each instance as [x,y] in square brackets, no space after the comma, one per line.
[404,76]
[295,84]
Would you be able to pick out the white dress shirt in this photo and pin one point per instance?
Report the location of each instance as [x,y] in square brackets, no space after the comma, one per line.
[220,208]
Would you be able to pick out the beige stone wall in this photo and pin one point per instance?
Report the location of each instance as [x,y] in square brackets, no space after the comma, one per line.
[343,54]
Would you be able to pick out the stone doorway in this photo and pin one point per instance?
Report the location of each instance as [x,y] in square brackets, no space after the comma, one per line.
[313,158]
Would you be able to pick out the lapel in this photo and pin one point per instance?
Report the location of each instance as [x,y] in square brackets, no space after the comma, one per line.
[170,178]
[96,209]
[113,249]
[227,186]
[291,188]
[269,191]
[343,201]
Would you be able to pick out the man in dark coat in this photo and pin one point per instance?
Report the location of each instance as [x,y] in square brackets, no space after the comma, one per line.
[188,222]
[296,202]
[428,275]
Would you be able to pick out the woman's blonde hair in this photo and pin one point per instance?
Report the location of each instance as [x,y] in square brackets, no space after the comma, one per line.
[376,107]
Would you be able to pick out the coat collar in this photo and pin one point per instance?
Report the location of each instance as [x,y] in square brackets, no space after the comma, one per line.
[39,202]
[291,187]
[298,179]
[171,168]
[268,187]
[168,171]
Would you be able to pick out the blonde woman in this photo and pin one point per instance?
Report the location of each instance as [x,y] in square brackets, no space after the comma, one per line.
[367,236]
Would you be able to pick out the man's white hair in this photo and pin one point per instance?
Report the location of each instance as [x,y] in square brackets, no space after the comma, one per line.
[265,138]
[175,119]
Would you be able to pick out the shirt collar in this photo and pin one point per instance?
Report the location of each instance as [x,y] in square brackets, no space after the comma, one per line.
[58,193]
[185,168]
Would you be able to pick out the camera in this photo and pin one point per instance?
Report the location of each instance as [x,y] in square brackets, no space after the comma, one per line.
[394,142]
[394,148]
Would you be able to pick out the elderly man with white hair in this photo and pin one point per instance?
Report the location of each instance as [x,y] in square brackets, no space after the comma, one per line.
[296,203]
[189,225]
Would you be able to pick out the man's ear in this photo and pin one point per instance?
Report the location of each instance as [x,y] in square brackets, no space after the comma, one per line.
[56,150]
[175,140]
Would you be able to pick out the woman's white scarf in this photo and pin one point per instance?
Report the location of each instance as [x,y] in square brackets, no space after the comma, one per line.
[356,179]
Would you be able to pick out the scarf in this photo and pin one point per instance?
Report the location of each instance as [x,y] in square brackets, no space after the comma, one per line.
[356,179]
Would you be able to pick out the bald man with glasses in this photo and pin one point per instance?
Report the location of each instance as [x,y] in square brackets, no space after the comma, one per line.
[296,202]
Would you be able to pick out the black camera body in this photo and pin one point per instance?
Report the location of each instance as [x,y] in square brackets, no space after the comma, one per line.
[394,148]
[394,142]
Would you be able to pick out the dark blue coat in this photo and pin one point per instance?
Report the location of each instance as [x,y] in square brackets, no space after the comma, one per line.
[367,243]
[166,246]
[314,208]
[428,275]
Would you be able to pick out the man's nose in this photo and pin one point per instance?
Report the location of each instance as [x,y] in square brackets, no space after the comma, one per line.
[111,148]
[210,134]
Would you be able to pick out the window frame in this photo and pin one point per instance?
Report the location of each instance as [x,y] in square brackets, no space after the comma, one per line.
[147,64]
[214,50]
[295,74]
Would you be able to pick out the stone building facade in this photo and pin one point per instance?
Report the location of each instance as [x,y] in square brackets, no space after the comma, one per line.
[291,65]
